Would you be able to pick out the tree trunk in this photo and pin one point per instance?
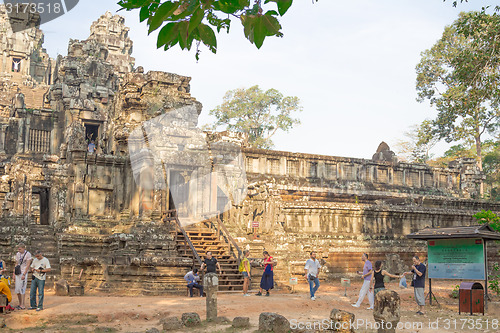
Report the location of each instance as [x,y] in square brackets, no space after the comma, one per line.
[480,163]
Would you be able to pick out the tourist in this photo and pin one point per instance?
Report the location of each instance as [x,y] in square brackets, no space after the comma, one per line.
[91,147]
[312,274]
[418,282]
[23,261]
[5,290]
[193,280]
[366,275]
[40,266]
[244,268]
[267,280]
[210,263]
[2,267]
[377,283]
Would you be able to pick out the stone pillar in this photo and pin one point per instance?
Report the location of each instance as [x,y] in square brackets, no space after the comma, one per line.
[211,286]
[386,311]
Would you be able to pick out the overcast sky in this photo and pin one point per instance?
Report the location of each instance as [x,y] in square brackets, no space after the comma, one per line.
[352,64]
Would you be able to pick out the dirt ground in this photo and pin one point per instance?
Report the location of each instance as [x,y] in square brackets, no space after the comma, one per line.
[101,313]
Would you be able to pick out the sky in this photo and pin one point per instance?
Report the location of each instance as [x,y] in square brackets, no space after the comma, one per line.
[351,63]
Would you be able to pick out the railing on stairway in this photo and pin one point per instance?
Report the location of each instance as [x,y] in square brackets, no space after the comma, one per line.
[171,215]
[221,230]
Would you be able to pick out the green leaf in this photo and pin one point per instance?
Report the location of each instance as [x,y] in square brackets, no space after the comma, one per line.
[144,13]
[207,36]
[271,23]
[164,11]
[167,34]
[283,6]
[248,21]
[259,31]
[183,34]
[196,19]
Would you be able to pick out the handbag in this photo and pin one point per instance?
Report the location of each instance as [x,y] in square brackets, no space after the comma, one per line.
[17,269]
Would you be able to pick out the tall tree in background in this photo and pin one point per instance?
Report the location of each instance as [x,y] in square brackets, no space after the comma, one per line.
[418,142]
[258,113]
[460,76]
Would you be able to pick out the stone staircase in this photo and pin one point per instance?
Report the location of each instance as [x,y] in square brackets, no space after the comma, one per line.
[206,239]
[33,96]
[43,238]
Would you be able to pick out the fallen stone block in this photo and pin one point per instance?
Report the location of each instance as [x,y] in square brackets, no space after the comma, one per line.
[76,290]
[241,322]
[340,321]
[273,322]
[62,288]
[386,311]
[191,319]
[223,320]
[153,330]
[171,323]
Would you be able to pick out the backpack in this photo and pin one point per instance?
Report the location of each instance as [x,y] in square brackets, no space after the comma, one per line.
[241,268]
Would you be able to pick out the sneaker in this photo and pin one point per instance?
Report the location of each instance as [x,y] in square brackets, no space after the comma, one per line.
[370,308]
[355,305]
[39,309]
[258,294]
[267,294]
[246,295]
[31,308]
[313,298]
[420,313]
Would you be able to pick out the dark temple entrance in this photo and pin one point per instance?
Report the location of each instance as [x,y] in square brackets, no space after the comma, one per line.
[40,205]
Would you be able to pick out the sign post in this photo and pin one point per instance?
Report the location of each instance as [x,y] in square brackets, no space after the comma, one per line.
[255,226]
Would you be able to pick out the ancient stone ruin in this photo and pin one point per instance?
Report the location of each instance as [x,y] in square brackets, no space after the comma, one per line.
[109,220]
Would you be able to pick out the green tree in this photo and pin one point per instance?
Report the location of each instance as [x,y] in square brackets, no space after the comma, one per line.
[258,113]
[460,76]
[192,21]
[488,217]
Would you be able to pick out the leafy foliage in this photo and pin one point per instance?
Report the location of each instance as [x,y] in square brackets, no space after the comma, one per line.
[258,113]
[488,217]
[460,76]
[193,21]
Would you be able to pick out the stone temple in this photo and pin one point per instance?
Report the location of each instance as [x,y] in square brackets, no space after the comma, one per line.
[108,219]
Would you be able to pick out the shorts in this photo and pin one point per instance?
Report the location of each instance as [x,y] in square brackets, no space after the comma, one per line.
[245,275]
[377,290]
[20,287]
[419,296]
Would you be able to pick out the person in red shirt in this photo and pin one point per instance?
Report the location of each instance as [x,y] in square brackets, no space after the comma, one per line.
[267,280]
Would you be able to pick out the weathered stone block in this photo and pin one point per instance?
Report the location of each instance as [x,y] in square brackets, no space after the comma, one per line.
[241,322]
[153,330]
[171,323]
[386,311]
[76,290]
[62,288]
[273,322]
[341,321]
[191,319]
[223,320]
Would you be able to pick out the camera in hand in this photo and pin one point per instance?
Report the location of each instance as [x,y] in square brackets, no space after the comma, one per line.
[40,272]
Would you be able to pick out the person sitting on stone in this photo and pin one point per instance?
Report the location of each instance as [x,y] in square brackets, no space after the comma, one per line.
[5,290]
[193,280]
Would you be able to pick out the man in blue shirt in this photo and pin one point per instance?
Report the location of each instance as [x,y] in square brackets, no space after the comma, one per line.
[418,270]
[366,275]
[192,278]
